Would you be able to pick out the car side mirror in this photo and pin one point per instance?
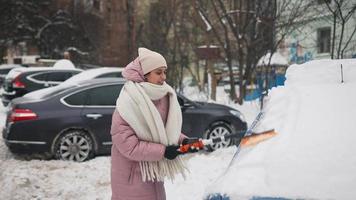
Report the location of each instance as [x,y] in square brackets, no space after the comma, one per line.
[184,104]
[181,102]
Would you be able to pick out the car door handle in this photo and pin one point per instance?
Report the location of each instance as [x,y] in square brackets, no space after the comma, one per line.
[94,116]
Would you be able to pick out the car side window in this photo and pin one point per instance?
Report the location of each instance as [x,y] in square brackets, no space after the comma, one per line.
[58,76]
[77,99]
[4,71]
[111,75]
[73,73]
[104,95]
[40,76]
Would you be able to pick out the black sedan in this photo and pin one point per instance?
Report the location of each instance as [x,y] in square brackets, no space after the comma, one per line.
[72,122]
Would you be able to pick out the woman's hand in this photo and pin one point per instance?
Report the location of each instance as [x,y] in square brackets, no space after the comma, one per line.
[172,151]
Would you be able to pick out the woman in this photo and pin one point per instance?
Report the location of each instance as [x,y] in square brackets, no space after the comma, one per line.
[145,131]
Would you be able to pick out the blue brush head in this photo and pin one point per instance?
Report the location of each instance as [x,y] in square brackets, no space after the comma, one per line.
[217,196]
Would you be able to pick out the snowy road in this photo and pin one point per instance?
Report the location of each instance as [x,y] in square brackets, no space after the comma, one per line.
[35,179]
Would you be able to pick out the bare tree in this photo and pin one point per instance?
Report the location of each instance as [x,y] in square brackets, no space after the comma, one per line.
[154,27]
[41,24]
[170,31]
[217,29]
[246,30]
[20,20]
[287,17]
[184,40]
[131,7]
[60,32]
[342,11]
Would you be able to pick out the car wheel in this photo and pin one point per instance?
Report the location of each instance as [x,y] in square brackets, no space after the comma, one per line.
[218,130]
[74,145]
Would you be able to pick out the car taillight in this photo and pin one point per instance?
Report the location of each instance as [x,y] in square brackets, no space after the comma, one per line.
[22,114]
[17,83]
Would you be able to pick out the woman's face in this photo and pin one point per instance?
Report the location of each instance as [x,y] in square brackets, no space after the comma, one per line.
[157,76]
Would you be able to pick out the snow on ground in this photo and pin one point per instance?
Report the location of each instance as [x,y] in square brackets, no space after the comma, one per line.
[4,153]
[37,179]
[313,155]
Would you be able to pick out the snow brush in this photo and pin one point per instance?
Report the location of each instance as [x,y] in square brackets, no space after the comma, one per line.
[248,140]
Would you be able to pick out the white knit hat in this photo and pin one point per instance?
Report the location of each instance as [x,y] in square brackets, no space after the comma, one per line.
[150,60]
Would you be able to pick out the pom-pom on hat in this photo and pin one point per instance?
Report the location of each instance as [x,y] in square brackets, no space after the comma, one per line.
[150,60]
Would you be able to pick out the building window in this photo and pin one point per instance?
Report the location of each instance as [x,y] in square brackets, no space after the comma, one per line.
[324,36]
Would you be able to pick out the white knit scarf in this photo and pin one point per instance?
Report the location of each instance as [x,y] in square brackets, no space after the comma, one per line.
[137,109]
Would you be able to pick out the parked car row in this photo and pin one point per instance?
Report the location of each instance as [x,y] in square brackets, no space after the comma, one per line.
[21,80]
[25,80]
[72,121]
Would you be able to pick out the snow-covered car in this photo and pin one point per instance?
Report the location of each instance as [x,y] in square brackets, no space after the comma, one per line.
[72,122]
[100,72]
[312,157]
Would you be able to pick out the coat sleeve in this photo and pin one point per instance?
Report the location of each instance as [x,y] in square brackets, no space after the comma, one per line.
[125,140]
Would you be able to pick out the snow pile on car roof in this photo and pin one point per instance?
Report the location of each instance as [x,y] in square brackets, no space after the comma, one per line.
[90,74]
[64,64]
[313,156]
[322,72]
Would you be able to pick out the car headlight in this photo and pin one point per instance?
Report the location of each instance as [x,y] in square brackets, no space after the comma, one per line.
[238,114]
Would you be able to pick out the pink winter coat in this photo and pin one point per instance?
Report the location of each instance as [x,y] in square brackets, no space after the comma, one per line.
[127,150]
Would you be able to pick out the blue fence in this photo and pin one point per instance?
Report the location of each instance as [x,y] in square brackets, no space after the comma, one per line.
[274,80]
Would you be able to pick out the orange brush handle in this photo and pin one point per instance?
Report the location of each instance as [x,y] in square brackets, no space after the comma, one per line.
[196,145]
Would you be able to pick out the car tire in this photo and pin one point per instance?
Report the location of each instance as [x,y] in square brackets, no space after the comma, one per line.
[74,145]
[217,130]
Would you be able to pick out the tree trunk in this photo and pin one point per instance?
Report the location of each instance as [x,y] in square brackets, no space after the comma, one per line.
[131,5]
[348,42]
[231,77]
[333,39]
[341,38]
[241,78]
[213,80]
